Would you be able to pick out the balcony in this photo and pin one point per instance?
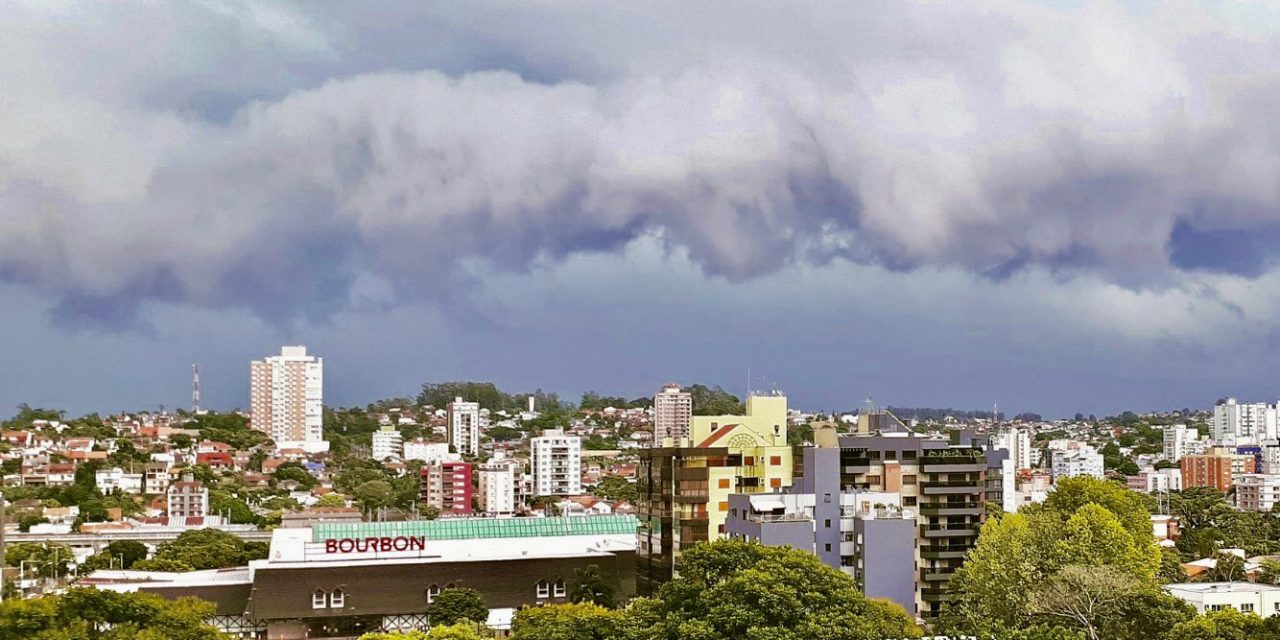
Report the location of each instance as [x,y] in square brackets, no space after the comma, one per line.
[936,574]
[950,530]
[935,595]
[950,488]
[944,551]
[951,509]
[781,517]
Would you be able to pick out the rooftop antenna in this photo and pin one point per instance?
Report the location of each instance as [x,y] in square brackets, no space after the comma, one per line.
[995,412]
[195,388]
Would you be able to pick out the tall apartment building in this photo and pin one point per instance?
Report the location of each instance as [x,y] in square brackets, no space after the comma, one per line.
[498,479]
[1081,461]
[896,512]
[1257,491]
[556,461]
[1217,469]
[447,487]
[672,412]
[464,427]
[188,498]
[1237,423]
[1018,443]
[683,492]
[388,443]
[286,398]
[1180,440]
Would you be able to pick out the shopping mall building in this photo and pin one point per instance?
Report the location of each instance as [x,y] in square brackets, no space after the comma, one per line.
[340,580]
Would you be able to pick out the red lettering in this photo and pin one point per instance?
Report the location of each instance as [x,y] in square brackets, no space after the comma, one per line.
[418,543]
[400,543]
[346,545]
[330,546]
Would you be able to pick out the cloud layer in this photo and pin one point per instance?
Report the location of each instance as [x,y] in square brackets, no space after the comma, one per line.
[283,157]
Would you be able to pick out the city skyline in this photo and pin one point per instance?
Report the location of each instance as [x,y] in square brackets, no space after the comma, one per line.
[1062,207]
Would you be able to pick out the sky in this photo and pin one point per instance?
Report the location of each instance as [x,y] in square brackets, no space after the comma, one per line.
[1059,207]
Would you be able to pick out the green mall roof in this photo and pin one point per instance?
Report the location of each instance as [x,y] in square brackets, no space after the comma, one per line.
[476,528]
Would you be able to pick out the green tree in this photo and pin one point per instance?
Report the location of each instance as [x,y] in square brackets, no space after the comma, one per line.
[461,631]
[44,559]
[106,615]
[205,549]
[1094,536]
[1084,596]
[992,590]
[1227,624]
[739,589]
[713,401]
[588,584]
[374,494]
[456,605]
[1228,567]
[615,488]
[566,622]
[332,500]
[1070,494]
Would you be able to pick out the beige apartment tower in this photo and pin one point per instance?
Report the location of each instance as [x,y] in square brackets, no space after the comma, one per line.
[286,398]
[672,411]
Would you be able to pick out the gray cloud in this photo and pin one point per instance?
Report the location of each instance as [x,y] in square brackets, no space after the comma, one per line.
[268,156]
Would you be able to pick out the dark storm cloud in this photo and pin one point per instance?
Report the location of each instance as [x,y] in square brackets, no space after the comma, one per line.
[269,155]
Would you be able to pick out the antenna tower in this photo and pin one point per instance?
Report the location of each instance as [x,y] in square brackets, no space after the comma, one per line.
[195,388]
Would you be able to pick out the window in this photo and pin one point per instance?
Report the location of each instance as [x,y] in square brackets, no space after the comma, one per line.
[749,461]
[827,523]
[337,599]
[318,599]
[724,506]
[775,460]
[560,590]
[828,546]
[908,479]
[724,483]
[908,501]
[775,482]
[433,592]
[1246,607]
[544,589]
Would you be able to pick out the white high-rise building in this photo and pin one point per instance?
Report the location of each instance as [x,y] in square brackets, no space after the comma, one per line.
[1179,440]
[1082,461]
[672,412]
[464,427]
[286,397]
[387,443]
[557,464]
[1018,443]
[497,479]
[1236,423]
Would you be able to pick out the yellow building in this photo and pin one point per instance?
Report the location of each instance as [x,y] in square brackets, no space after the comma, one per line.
[684,486]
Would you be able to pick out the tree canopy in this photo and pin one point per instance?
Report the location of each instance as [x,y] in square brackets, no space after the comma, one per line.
[106,615]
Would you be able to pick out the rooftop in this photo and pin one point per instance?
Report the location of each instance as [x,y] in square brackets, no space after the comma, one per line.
[477,528]
[1221,587]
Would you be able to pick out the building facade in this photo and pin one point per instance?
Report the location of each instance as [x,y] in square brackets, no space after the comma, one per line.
[1081,461]
[447,486]
[388,443]
[1217,469]
[342,580]
[1257,491]
[672,413]
[1245,597]
[497,480]
[464,427]
[286,398]
[1180,440]
[1240,423]
[683,492]
[556,461]
[187,498]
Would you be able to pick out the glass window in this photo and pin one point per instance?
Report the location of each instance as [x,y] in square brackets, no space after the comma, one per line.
[544,589]
[560,590]
[828,546]
[338,599]
[318,599]
[433,592]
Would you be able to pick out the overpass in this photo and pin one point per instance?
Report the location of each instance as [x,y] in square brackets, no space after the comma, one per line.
[149,536]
